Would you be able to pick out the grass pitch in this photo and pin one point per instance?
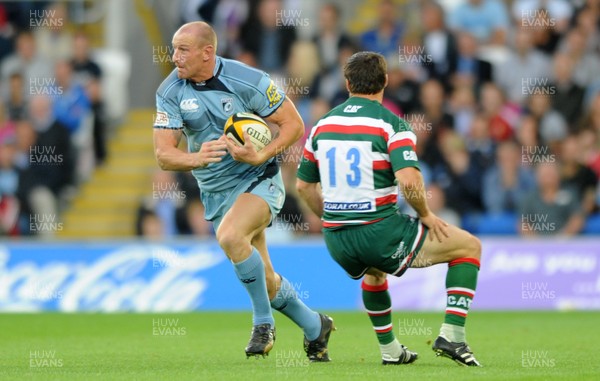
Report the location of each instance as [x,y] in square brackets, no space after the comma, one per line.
[209,346]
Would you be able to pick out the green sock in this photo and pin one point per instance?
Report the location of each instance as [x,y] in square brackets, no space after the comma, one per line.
[379,307]
[461,281]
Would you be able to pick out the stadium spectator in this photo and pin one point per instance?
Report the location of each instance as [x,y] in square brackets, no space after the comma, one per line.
[575,174]
[550,209]
[386,36]
[437,203]
[25,139]
[568,97]
[330,85]
[166,199]
[301,70]
[439,43]
[587,64]
[72,106]
[558,12]
[433,112]
[507,183]
[487,20]
[9,181]
[546,21]
[198,226]
[502,115]
[590,152]
[591,119]
[552,126]
[463,106]
[528,134]
[88,73]
[587,20]
[84,66]
[331,37]
[16,101]
[26,59]
[49,173]
[479,142]
[459,176]
[524,70]
[265,39]
[402,89]
[52,36]
[185,218]
[149,225]
[7,33]
[467,68]
[7,126]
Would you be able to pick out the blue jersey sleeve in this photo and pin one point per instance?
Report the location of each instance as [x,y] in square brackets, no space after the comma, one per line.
[168,114]
[267,99]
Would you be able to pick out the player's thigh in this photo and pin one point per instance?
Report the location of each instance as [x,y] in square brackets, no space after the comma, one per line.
[458,244]
[248,216]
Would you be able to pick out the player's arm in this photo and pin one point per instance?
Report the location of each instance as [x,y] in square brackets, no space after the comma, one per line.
[171,158]
[311,194]
[412,186]
[308,179]
[291,128]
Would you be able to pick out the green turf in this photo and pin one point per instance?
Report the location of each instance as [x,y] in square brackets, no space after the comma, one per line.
[209,346]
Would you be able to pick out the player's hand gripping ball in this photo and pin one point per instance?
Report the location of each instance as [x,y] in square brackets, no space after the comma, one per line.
[253,125]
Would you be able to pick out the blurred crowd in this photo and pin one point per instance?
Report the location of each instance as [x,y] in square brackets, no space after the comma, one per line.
[504,97]
[52,127]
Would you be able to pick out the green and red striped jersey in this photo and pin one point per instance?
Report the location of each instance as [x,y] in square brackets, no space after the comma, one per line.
[353,151]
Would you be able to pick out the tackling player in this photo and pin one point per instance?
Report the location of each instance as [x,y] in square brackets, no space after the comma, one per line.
[357,152]
[241,189]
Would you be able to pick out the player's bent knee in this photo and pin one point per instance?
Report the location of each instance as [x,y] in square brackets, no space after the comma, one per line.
[229,239]
[375,277]
[474,247]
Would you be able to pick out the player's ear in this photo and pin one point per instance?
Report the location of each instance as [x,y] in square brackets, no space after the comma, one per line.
[207,52]
[347,84]
[386,81]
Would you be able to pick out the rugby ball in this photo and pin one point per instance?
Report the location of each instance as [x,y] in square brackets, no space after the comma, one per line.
[254,126]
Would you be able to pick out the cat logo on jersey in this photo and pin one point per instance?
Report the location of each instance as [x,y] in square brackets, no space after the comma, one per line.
[352,108]
[227,104]
[273,95]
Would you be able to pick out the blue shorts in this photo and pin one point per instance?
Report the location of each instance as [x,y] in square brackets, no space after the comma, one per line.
[269,186]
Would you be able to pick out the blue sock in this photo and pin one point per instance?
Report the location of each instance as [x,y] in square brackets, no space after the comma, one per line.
[287,302]
[251,271]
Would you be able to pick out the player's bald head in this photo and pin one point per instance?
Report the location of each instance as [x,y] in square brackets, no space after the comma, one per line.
[200,31]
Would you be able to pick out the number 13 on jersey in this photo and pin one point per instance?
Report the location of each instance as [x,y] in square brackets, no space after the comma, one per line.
[345,166]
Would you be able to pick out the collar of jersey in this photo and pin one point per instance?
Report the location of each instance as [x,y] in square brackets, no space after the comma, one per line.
[213,82]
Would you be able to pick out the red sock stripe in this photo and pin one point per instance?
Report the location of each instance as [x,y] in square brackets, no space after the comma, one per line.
[368,287]
[473,261]
[384,330]
[470,295]
[456,313]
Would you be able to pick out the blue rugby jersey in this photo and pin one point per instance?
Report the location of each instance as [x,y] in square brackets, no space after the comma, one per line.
[201,110]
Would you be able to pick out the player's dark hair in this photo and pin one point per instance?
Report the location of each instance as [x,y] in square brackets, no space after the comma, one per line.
[365,72]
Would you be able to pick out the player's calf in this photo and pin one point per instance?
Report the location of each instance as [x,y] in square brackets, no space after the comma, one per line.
[378,304]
